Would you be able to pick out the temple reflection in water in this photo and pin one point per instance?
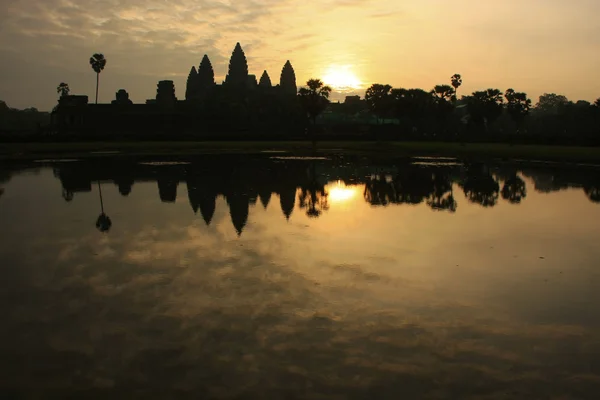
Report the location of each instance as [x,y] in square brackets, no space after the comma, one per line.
[309,184]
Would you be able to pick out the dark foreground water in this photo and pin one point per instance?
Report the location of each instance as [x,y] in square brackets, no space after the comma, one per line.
[280,278]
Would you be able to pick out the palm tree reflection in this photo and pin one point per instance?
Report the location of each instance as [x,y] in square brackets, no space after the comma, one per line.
[103,223]
[313,196]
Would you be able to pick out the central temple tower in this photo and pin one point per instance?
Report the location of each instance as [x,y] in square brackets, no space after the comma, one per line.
[238,67]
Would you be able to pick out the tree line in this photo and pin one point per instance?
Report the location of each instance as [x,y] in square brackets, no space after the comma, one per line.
[483,115]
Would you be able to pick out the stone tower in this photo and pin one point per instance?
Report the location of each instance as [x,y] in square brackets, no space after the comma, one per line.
[287,82]
[191,85]
[265,80]
[165,93]
[238,67]
[206,74]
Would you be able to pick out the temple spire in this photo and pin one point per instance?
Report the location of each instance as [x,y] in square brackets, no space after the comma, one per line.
[288,79]
[238,67]
[265,80]
[190,88]
[206,74]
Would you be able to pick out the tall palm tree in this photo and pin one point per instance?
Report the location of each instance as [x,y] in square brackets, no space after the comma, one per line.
[98,62]
[63,89]
[456,80]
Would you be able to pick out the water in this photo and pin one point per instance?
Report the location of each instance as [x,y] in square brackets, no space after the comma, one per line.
[281,277]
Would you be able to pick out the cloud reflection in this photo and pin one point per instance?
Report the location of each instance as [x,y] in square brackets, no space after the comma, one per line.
[365,302]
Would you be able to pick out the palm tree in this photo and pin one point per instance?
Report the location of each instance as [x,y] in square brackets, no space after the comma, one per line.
[314,98]
[98,62]
[63,89]
[456,80]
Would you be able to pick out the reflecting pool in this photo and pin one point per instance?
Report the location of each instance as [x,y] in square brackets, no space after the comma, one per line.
[268,277]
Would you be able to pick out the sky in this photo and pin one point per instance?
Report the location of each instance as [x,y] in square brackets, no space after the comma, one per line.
[535,46]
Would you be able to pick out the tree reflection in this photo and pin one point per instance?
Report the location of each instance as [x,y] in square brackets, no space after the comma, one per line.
[514,189]
[379,191]
[480,187]
[103,223]
[442,197]
[313,197]
[592,192]
[413,185]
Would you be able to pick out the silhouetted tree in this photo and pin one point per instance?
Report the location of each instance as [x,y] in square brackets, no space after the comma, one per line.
[265,80]
[456,81]
[414,105]
[287,81]
[314,98]
[98,62]
[485,106]
[551,103]
[517,105]
[443,92]
[555,116]
[378,100]
[63,89]
[597,102]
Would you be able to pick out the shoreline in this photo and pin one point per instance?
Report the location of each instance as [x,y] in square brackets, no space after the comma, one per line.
[56,150]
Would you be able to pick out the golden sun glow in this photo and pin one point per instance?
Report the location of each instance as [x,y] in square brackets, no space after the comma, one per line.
[341,77]
[339,192]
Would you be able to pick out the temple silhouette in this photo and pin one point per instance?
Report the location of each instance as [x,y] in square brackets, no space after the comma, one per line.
[239,103]
[245,182]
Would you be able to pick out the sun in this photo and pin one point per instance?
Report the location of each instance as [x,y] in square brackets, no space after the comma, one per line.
[341,78]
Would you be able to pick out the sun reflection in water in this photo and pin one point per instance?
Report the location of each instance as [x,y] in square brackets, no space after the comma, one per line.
[340,193]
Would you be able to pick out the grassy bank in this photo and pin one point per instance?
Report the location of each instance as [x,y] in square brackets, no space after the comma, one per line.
[28,151]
